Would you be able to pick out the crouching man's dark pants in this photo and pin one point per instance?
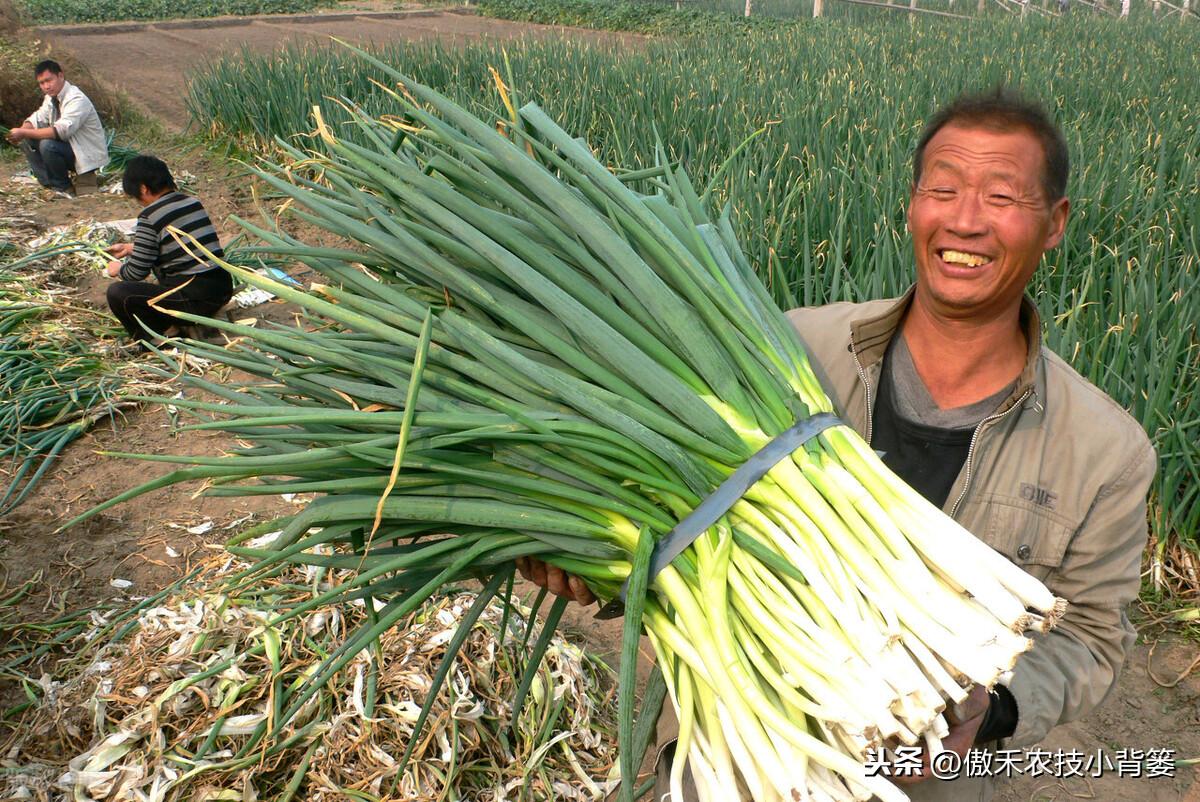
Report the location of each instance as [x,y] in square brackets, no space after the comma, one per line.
[51,162]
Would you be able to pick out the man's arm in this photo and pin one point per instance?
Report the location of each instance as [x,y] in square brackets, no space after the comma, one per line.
[72,114]
[29,132]
[143,256]
[36,125]
[1070,670]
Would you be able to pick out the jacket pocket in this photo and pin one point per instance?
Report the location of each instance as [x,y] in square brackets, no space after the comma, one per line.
[1030,536]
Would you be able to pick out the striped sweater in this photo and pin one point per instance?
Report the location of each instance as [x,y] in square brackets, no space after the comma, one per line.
[156,251]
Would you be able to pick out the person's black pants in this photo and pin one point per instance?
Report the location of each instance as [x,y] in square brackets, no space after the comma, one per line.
[51,162]
[200,294]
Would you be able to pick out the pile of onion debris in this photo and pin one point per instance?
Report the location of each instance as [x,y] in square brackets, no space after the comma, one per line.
[183,701]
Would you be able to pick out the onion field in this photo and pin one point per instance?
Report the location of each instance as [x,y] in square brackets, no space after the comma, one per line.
[53,12]
[807,132]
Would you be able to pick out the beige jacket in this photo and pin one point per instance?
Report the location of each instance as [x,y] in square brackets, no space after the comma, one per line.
[77,124]
[1056,480]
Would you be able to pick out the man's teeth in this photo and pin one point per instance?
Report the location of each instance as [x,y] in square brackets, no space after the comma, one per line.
[968,259]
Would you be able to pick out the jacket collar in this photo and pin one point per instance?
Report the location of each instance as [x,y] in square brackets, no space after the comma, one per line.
[67,90]
[869,338]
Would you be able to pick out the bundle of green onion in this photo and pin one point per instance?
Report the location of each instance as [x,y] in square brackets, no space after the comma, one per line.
[528,357]
[118,156]
[56,381]
[53,387]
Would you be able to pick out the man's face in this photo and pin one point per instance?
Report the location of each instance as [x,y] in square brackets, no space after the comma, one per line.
[51,82]
[980,220]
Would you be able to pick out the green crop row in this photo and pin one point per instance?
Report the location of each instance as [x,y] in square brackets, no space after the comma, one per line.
[624,15]
[724,17]
[819,195]
[54,12]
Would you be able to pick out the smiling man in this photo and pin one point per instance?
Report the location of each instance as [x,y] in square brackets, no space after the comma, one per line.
[951,382]
[63,136]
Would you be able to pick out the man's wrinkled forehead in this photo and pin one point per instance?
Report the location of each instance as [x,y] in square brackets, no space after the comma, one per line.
[954,159]
[947,153]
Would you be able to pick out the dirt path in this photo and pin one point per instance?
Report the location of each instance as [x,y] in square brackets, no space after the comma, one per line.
[150,62]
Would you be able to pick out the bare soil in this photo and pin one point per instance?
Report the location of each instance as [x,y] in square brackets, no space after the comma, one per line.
[150,64]
[130,541]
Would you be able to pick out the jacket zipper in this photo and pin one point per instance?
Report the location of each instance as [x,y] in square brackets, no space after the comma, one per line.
[975,440]
[862,375]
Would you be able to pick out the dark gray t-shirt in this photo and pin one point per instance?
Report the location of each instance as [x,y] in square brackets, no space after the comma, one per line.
[922,443]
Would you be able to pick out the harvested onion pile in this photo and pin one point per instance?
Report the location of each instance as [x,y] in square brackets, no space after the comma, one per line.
[183,706]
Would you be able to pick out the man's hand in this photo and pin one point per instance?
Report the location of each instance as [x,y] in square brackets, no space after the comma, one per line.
[555,580]
[120,250]
[16,135]
[964,720]
[113,270]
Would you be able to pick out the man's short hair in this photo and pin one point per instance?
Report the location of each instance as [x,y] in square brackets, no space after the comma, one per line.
[146,171]
[1003,109]
[47,65]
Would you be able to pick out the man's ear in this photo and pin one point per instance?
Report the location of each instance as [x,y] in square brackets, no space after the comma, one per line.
[1059,211]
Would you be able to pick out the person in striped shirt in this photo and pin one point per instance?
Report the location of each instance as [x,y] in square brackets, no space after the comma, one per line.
[185,282]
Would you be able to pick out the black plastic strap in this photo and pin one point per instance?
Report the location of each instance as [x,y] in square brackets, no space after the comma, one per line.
[721,500]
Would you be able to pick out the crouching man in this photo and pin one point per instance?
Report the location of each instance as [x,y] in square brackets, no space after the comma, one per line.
[63,136]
